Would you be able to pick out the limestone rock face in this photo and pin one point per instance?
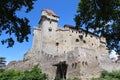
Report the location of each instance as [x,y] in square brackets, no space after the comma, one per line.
[65,52]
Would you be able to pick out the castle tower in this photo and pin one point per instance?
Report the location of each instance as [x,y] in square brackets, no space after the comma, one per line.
[48,22]
[46,32]
[48,18]
[48,25]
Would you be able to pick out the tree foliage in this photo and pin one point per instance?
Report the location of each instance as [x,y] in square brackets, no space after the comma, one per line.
[11,24]
[34,74]
[73,79]
[2,60]
[2,63]
[102,17]
[105,75]
[9,75]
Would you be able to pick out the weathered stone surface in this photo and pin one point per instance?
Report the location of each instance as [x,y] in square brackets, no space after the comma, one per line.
[86,56]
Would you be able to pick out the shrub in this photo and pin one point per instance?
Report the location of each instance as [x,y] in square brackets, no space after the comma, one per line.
[9,75]
[33,74]
[105,75]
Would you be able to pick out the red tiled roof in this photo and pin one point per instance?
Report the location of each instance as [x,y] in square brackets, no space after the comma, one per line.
[50,12]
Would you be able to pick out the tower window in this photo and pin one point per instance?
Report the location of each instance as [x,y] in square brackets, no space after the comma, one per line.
[65,40]
[77,40]
[80,31]
[72,65]
[50,21]
[84,41]
[96,57]
[86,63]
[91,36]
[57,44]
[92,43]
[50,29]
[81,37]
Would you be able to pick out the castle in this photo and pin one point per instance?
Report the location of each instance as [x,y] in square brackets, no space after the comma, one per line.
[65,52]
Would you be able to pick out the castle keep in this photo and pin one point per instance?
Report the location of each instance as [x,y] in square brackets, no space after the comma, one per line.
[65,51]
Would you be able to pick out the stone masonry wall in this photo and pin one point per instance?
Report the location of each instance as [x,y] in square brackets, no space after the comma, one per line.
[86,56]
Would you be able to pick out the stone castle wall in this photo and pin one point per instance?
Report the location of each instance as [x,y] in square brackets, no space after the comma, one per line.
[48,36]
[86,56]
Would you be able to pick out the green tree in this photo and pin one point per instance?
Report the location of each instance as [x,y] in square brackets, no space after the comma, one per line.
[11,24]
[9,75]
[105,75]
[2,63]
[73,79]
[102,17]
[33,74]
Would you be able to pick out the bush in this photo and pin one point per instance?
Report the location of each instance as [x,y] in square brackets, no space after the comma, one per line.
[105,75]
[73,79]
[34,74]
[9,75]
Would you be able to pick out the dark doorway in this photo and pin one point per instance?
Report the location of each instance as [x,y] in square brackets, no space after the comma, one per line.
[61,70]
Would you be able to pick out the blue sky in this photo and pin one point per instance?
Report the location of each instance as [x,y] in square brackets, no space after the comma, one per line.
[65,9]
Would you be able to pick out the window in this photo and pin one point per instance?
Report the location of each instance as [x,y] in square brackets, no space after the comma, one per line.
[84,41]
[91,36]
[83,63]
[50,29]
[96,57]
[81,37]
[86,63]
[72,65]
[65,40]
[57,44]
[92,43]
[80,31]
[77,40]
[50,22]
[75,65]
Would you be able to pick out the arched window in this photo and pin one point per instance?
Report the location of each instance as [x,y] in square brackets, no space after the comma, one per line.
[77,40]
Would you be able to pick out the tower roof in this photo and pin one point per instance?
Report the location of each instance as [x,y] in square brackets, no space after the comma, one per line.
[50,12]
